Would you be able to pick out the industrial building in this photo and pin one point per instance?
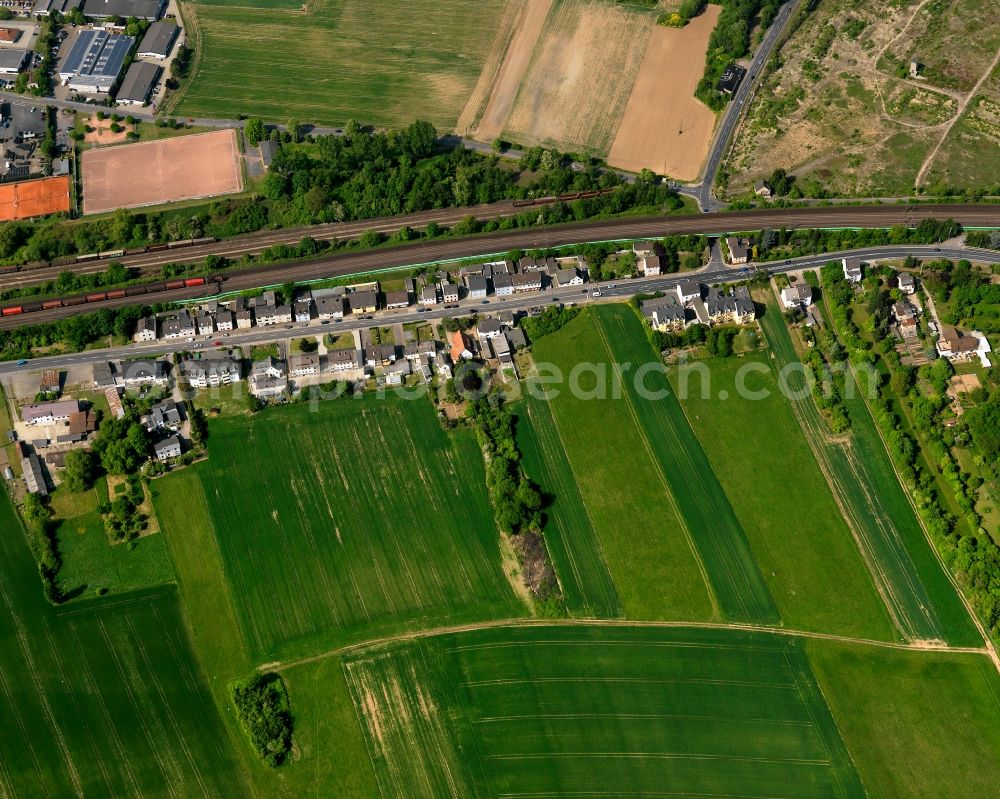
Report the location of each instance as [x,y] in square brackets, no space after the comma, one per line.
[150,10]
[138,83]
[45,7]
[12,61]
[159,39]
[95,61]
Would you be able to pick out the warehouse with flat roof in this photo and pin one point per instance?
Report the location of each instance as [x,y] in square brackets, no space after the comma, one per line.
[12,61]
[45,7]
[151,10]
[95,60]
[139,82]
[159,39]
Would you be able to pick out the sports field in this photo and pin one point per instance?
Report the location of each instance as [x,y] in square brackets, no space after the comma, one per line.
[102,698]
[386,63]
[804,547]
[155,172]
[368,520]
[572,541]
[703,506]
[599,711]
[649,552]
[917,723]
[920,598]
[28,198]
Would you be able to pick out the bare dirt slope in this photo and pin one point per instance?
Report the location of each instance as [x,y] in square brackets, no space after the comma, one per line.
[665,128]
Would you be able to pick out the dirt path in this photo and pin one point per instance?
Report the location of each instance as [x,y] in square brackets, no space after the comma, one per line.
[962,105]
[514,66]
[912,646]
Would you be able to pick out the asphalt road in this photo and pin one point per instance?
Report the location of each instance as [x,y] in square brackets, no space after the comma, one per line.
[624,228]
[610,291]
[731,117]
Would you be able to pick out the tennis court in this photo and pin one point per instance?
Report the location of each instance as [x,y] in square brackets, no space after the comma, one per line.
[28,198]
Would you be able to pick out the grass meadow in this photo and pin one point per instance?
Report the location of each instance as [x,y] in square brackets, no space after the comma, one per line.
[650,556]
[918,593]
[385,63]
[804,547]
[362,519]
[598,711]
[572,541]
[102,698]
[703,505]
[918,723]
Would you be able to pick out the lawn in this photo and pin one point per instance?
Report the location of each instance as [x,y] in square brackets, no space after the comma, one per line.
[369,520]
[598,711]
[102,698]
[704,508]
[920,598]
[803,545]
[651,558]
[335,61]
[920,724]
[572,542]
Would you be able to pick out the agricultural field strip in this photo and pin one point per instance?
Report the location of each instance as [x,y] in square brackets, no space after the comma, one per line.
[569,533]
[700,499]
[762,703]
[876,525]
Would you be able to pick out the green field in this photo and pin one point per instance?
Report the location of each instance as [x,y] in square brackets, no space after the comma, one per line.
[704,506]
[921,724]
[572,541]
[369,519]
[599,711]
[337,60]
[919,595]
[805,549]
[648,552]
[102,698]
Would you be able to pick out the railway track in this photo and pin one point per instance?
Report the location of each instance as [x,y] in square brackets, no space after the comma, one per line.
[367,261]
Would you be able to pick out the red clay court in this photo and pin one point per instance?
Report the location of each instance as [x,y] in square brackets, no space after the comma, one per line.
[28,198]
[155,172]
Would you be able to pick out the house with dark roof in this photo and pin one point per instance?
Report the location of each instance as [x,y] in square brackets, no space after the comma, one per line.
[150,10]
[688,291]
[665,314]
[167,449]
[164,416]
[395,300]
[852,269]
[146,372]
[363,301]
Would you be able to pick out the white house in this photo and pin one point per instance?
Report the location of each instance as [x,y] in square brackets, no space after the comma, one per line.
[145,329]
[503,286]
[852,269]
[568,277]
[795,296]
[907,284]
[489,328]
[688,291]
[304,365]
[168,448]
[649,265]
[49,412]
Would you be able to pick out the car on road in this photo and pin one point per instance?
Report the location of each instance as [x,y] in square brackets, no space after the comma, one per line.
[787,262]
[325,322]
[289,327]
[937,249]
[485,302]
[216,343]
[595,293]
[422,310]
[22,362]
[555,299]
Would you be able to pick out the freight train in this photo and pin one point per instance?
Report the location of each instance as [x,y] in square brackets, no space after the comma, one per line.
[110,294]
[108,255]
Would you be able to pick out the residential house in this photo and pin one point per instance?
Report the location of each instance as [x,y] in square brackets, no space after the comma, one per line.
[449,292]
[424,364]
[531,281]
[501,348]
[852,269]
[81,425]
[164,415]
[526,264]
[442,366]
[723,309]
[489,328]
[268,378]
[460,347]
[224,320]
[957,346]
[268,315]
[380,354]
[303,365]
[397,371]
[103,376]
[394,300]
[330,307]
[429,295]
[506,318]
[44,413]
[643,249]
[244,319]
[665,314]
[688,291]
[649,266]
[903,310]
[516,338]
[363,302]
[168,448]
[907,283]
[205,323]
[415,350]
[144,373]
[145,329]
[798,295]
[503,285]
[410,285]
[477,287]
[211,371]
[762,188]
[344,360]
[739,249]
[303,309]
[181,327]
[569,277]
